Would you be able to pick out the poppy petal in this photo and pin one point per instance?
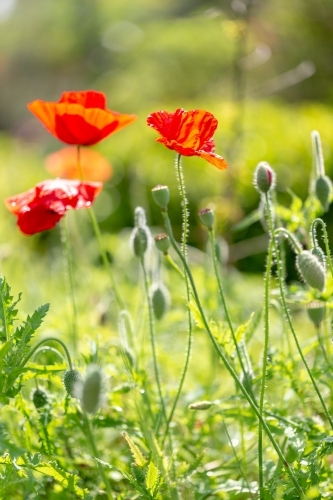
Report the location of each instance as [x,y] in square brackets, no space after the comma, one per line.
[214,159]
[37,219]
[87,98]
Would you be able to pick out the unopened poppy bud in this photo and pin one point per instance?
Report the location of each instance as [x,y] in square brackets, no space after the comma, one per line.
[139,240]
[70,379]
[206,216]
[201,405]
[316,311]
[90,397]
[264,178]
[160,300]
[311,270]
[161,195]
[162,242]
[323,190]
[319,253]
[39,398]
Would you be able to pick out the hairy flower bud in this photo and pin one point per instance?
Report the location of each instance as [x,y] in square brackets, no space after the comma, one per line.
[206,216]
[91,391]
[311,270]
[70,379]
[162,242]
[160,300]
[139,240]
[316,311]
[319,253]
[323,190]
[161,195]
[264,178]
[39,398]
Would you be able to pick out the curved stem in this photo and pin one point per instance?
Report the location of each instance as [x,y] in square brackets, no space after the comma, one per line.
[173,264]
[48,339]
[291,326]
[152,338]
[315,242]
[96,455]
[264,365]
[226,361]
[48,348]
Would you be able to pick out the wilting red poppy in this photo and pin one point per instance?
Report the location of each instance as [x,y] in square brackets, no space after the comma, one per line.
[43,206]
[64,163]
[189,133]
[80,118]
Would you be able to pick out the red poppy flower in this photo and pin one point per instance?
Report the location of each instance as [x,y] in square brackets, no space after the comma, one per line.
[189,133]
[64,164]
[43,206]
[80,118]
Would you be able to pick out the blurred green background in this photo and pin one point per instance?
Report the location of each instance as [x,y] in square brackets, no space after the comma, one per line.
[262,67]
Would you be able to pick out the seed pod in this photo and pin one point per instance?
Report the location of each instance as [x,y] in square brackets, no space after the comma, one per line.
[70,380]
[160,300]
[311,270]
[316,311]
[206,216]
[39,398]
[139,240]
[264,178]
[319,253]
[323,190]
[91,393]
[162,242]
[201,405]
[161,195]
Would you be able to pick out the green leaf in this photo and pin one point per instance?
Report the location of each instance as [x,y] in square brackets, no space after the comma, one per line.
[138,457]
[8,312]
[152,478]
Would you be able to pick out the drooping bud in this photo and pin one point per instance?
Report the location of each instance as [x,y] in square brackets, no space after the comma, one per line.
[161,195]
[316,311]
[264,178]
[311,270]
[206,216]
[162,242]
[91,391]
[201,405]
[70,379]
[323,189]
[39,398]
[160,300]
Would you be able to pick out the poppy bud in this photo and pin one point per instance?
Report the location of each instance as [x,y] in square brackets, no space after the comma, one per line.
[264,178]
[139,240]
[160,300]
[162,242]
[161,195]
[206,216]
[311,270]
[70,379]
[323,190]
[201,405]
[39,398]
[316,311]
[91,391]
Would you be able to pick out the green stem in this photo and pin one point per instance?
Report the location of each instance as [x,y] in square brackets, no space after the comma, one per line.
[49,339]
[225,359]
[287,314]
[264,366]
[152,338]
[70,280]
[184,203]
[173,264]
[96,455]
[224,304]
[98,236]
[313,230]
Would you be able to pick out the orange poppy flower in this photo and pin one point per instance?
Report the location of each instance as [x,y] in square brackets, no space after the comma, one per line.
[43,206]
[189,133]
[80,118]
[64,164]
